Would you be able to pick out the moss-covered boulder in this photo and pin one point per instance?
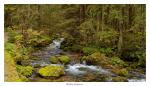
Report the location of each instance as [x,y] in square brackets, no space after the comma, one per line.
[119,79]
[25,70]
[121,72]
[51,71]
[54,60]
[64,59]
[96,59]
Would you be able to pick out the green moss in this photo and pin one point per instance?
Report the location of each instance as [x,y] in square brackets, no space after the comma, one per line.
[25,70]
[11,74]
[51,71]
[54,60]
[121,72]
[64,59]
[96,59]
[119,79]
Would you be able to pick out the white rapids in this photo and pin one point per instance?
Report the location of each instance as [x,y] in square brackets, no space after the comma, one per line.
[56,43]
[136,80]
[75,69]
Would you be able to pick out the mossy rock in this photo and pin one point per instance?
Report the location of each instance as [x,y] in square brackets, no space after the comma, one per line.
[25,70]
[119,79]
[37,65]
[64,59]
[54,60]
[121,72]
[51,71]
[96,59]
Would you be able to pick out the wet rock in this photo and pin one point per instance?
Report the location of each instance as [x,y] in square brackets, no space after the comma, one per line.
[54,60]
[121,72]
[66,79]
[64,59]
[94,77]
[51,71]
[119,79]
[37,65]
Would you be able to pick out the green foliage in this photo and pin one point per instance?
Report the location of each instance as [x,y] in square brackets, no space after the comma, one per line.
[18,52]
[25,70]
[11,74]
[107,51]
[11,36]
[51,71]
[76,48]
[89,50]
[64,59]
[35,38]
[54,60]
[107,36]
[10,48]
[118,62]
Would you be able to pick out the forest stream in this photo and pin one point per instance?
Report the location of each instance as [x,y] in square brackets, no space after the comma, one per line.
[75,71]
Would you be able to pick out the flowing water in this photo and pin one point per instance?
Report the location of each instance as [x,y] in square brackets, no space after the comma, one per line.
[75,71]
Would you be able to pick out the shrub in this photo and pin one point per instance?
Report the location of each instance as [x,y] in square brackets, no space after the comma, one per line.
[106,50]
[89,50]
[10,48]
[117,62]
[11,74]
[51,71]
[11,36]
[25,70]
[93,49]
[76,48]
[18,52]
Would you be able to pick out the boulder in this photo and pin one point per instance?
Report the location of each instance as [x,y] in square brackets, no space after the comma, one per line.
[64,59]
[51,71]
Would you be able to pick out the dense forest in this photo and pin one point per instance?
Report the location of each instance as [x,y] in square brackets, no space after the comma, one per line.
[75,42]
